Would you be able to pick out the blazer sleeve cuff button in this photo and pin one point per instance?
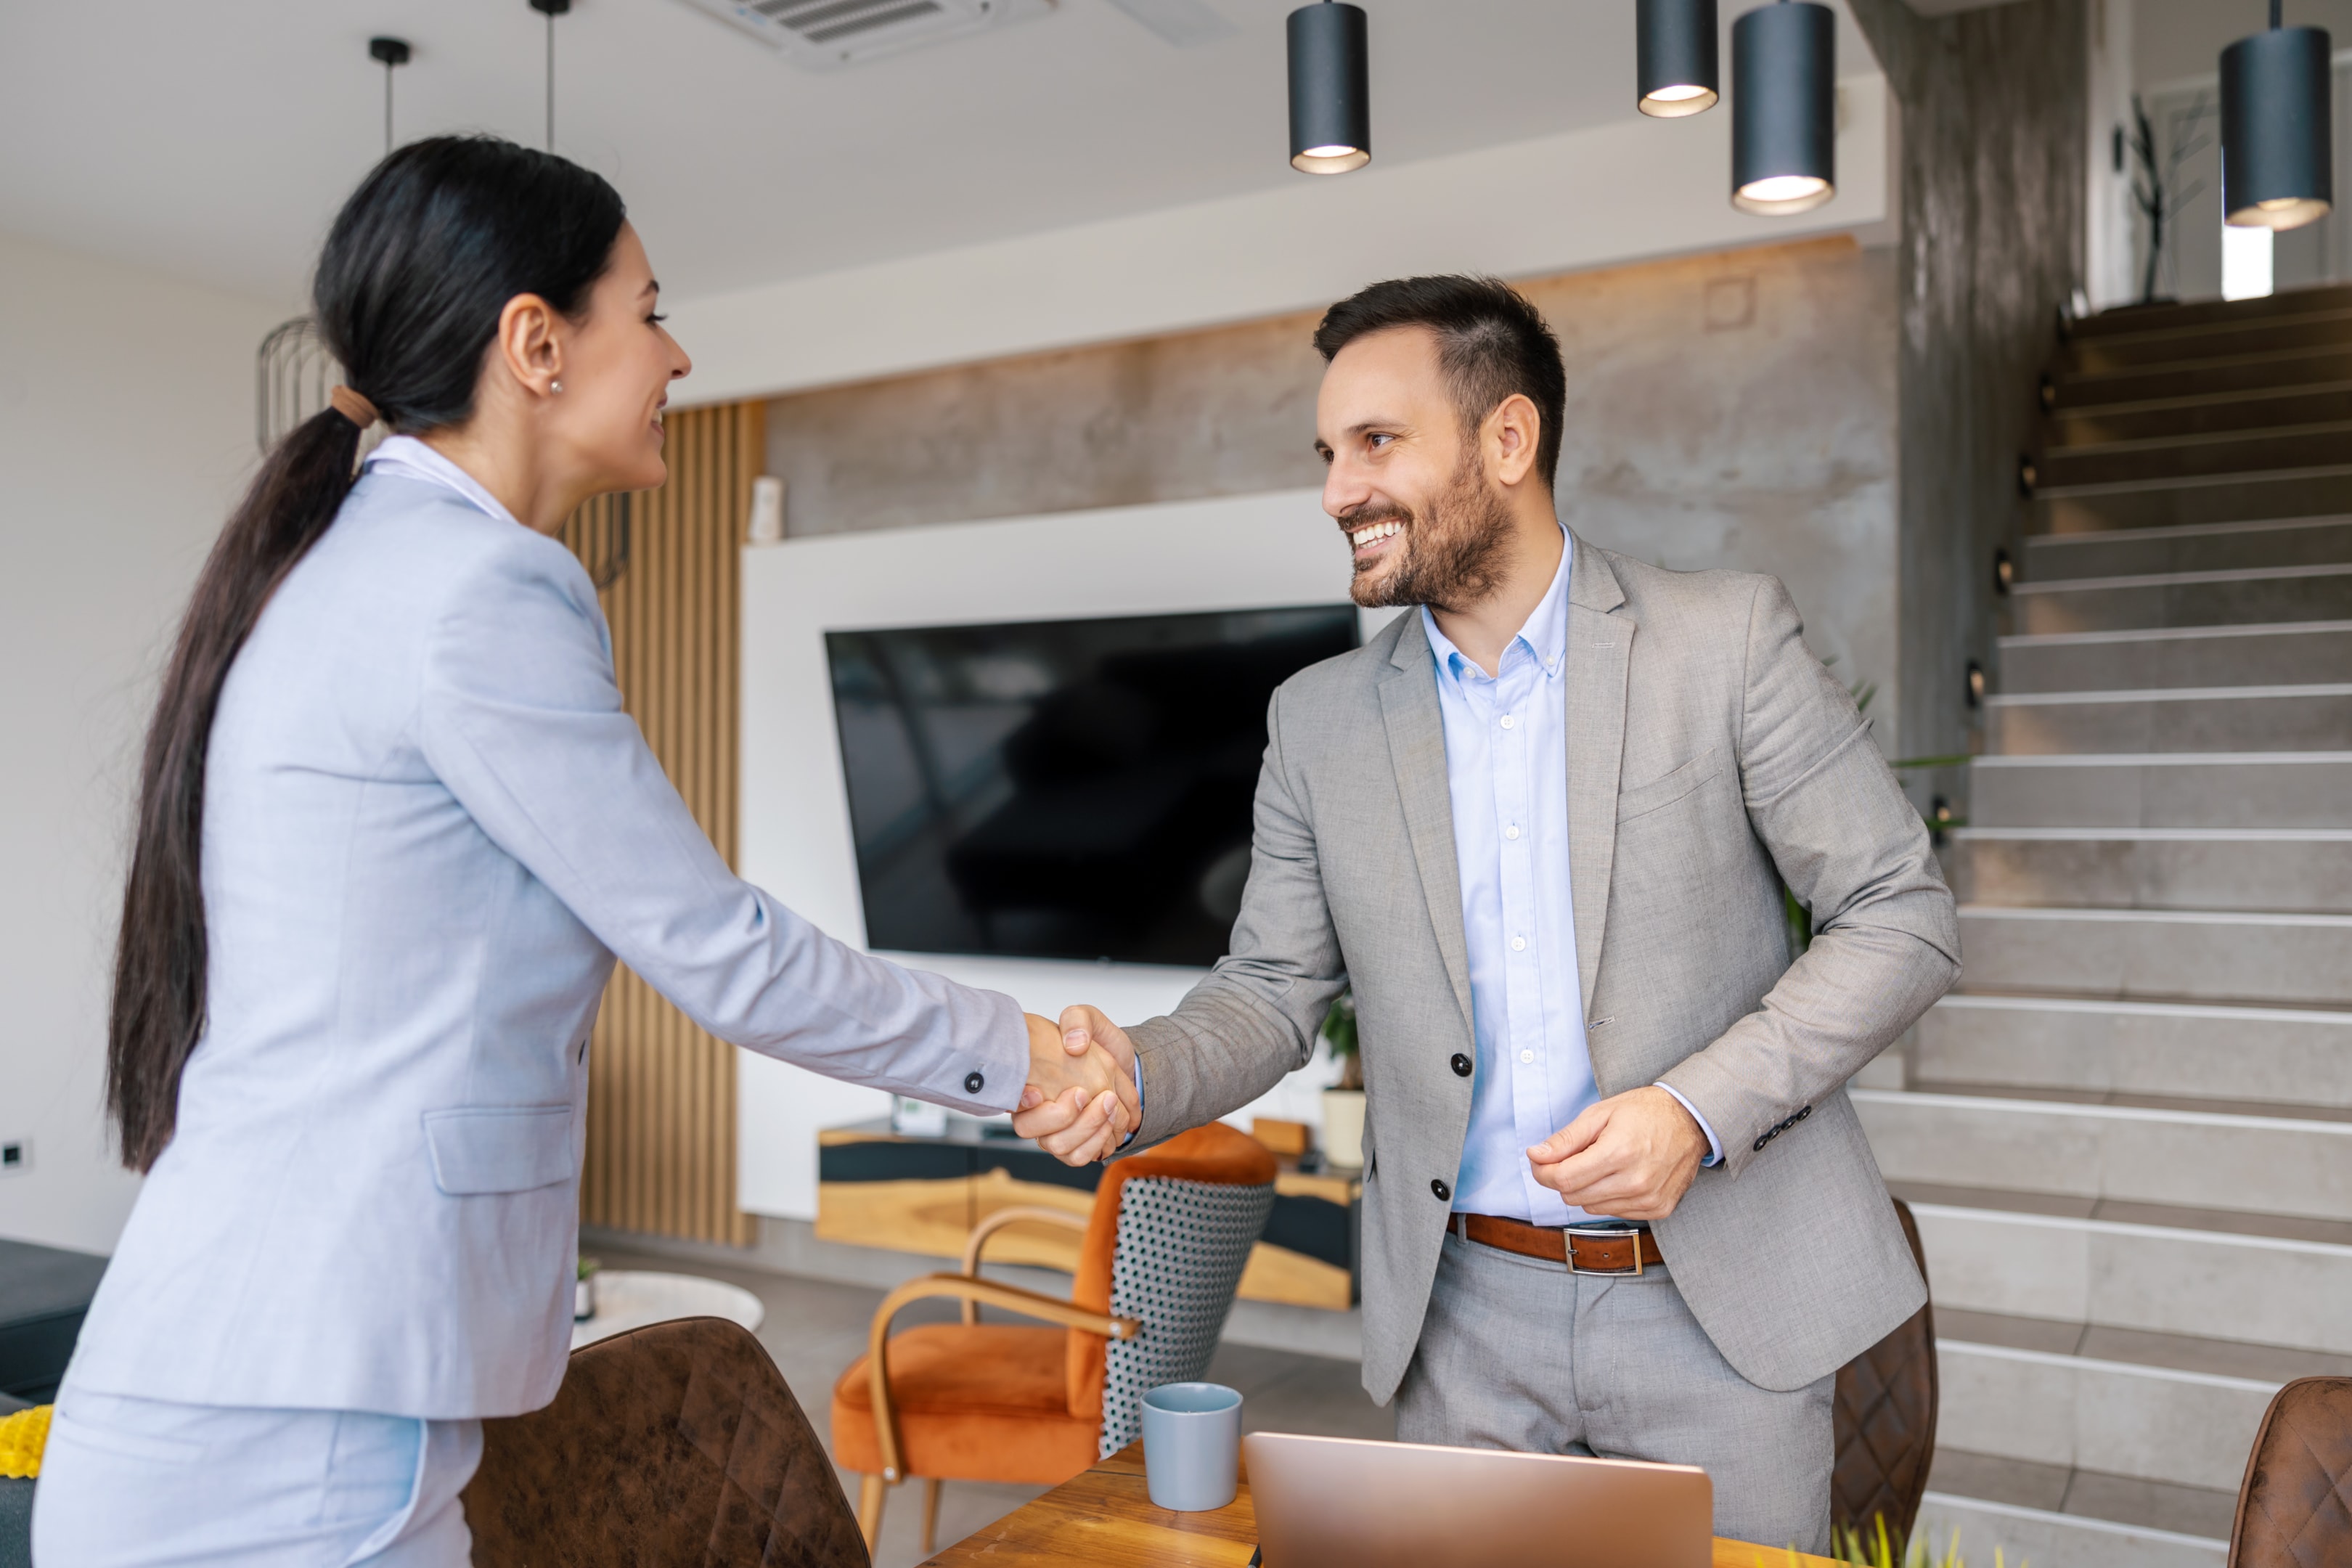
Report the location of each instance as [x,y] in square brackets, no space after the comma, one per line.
[973,1083]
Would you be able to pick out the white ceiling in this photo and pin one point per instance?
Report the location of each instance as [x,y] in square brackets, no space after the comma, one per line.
[215,140]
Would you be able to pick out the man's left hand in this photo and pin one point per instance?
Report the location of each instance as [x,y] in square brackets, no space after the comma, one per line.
[1630,1157]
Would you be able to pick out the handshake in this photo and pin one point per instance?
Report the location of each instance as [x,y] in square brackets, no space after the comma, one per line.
[1080,1103]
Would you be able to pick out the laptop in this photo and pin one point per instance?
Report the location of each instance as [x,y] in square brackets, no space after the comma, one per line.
[1339,1502]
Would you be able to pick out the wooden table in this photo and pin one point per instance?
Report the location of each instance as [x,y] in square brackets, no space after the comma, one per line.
[1106,1518]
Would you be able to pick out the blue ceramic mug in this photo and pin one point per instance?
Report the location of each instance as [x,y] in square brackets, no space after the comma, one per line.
[1192,1444]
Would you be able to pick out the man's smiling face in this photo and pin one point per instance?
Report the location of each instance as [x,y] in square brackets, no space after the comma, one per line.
[1406,485]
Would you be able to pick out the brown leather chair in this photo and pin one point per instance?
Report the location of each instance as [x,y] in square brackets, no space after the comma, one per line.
[674,1444]
[1886,1422]
[2294,1507]
[1169,1234]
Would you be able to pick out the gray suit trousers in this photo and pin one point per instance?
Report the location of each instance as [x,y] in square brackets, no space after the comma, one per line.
[1518,1353]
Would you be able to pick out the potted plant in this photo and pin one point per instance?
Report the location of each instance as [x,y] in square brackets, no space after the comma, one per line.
[1343,1102]
[583,1291]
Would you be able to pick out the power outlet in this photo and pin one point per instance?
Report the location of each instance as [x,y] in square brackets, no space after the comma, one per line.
[16,1156]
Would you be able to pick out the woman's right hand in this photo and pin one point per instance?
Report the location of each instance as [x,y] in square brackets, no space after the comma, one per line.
[1085,1087]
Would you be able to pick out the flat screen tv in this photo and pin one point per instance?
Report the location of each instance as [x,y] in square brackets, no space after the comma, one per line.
[1063,789]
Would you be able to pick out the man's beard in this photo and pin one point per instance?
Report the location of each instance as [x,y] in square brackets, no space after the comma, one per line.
[1449,558]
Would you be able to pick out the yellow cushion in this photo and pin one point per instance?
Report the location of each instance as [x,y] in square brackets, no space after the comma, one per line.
[22,1437]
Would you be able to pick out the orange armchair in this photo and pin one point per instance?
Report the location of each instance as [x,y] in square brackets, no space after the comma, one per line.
[1163,1253]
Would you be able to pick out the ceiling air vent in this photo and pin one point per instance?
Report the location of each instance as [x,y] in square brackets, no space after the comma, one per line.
[825,35]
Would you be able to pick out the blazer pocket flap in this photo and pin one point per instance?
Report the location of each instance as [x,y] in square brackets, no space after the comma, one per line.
[499,1148]
[1670,787]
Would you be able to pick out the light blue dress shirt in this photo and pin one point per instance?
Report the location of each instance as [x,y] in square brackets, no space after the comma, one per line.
[1507,772]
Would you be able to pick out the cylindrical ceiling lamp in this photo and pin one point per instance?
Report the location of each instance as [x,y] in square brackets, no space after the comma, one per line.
[2276,167]
[1675,56]
[1330,89]
[1784,108]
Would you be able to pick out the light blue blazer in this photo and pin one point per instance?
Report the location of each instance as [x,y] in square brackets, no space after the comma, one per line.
[428,829]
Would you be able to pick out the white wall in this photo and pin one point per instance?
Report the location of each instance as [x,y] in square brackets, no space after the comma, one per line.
[1621,192]
[1241,552]
[126,425]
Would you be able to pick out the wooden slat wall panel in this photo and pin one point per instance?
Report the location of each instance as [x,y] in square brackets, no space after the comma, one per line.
[661,1094]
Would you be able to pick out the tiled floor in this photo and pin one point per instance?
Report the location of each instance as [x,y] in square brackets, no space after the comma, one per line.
[814,1329]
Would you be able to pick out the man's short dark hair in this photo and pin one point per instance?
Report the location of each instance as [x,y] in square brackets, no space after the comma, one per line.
[1490,343]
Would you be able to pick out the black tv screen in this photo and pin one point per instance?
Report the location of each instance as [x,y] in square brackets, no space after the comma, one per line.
[1063,789]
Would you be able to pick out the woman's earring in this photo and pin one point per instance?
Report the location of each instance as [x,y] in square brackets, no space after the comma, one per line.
[556,384]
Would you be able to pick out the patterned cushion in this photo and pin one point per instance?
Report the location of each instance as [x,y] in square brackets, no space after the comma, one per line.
[1181,1252]
[2294,1509]
[1885,1419]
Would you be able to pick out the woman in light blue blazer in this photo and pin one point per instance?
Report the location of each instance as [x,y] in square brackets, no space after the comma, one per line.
[393,829]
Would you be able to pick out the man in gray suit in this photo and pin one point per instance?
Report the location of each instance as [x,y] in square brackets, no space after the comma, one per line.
[1615,1198]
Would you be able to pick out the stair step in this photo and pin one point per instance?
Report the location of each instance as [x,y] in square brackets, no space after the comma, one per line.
[2298,1056]
[2123,789]
[2131,320]
[2224,596]
[2167,503]
[2301,960]
[2202,343]
[2272,653]
[2228,453]
[2267,1290]
[2235,719]
[2197,414]
[2159,1408]
[2199,547]
[2259,1165]
[2274,869]
[1975,1527]
[2276,369]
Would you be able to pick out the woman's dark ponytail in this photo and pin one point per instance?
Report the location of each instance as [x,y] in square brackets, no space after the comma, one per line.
[420,263]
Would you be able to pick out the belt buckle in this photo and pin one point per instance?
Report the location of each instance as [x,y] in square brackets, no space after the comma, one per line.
[1610,1232]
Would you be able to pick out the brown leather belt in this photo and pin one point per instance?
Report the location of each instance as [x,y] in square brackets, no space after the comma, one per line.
[1585,1250]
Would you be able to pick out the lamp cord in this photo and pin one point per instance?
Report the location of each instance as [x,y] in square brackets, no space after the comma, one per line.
[2276,7]
[551,80]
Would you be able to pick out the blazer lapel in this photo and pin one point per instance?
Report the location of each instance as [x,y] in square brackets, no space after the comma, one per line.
[1600,643]
[1417,752]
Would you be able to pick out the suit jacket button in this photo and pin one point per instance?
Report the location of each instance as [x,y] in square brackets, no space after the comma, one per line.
[1803,1114]
[1445,1194]
[973,1083]
[1461,1064]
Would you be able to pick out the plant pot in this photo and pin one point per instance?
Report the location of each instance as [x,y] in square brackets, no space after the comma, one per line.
[1343,1127]
[584,1299]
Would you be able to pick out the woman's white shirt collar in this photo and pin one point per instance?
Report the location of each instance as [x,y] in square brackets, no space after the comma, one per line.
[412,458]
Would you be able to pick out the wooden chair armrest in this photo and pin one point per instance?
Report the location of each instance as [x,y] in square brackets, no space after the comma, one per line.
[1012,1298]
[1018,1215]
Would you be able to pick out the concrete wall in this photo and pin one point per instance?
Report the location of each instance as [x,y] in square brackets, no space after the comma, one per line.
[126,427]
[1992,109]
[1734,409]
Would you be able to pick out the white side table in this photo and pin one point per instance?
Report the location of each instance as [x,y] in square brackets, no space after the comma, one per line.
[629,1299]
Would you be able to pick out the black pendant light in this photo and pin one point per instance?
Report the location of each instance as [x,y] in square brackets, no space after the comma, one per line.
[1784,108]
[391,54]
[1330,89]
[1675,56]
[2276,167]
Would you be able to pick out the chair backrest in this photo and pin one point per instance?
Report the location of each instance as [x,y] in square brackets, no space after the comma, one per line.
[676,1443]
[1885,1420]
[1170,1235]
[2294,1507]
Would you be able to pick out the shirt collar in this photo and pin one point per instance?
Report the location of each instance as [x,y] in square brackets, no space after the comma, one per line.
[1545,634]
[412,458]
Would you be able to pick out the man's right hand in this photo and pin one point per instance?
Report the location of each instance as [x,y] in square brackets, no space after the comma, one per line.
[1078,1132]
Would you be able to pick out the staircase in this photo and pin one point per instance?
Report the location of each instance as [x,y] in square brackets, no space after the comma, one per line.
[2128,1136]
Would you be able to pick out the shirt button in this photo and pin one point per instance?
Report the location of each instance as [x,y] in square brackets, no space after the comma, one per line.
[1461,1064]
[1526,1055]
[1510,833]
[1518,944]
[1445,1194]
[1508,721]
[973,1083]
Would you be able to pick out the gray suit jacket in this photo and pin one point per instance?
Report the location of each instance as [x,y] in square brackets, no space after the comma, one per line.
[1709,757]
[429,828]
